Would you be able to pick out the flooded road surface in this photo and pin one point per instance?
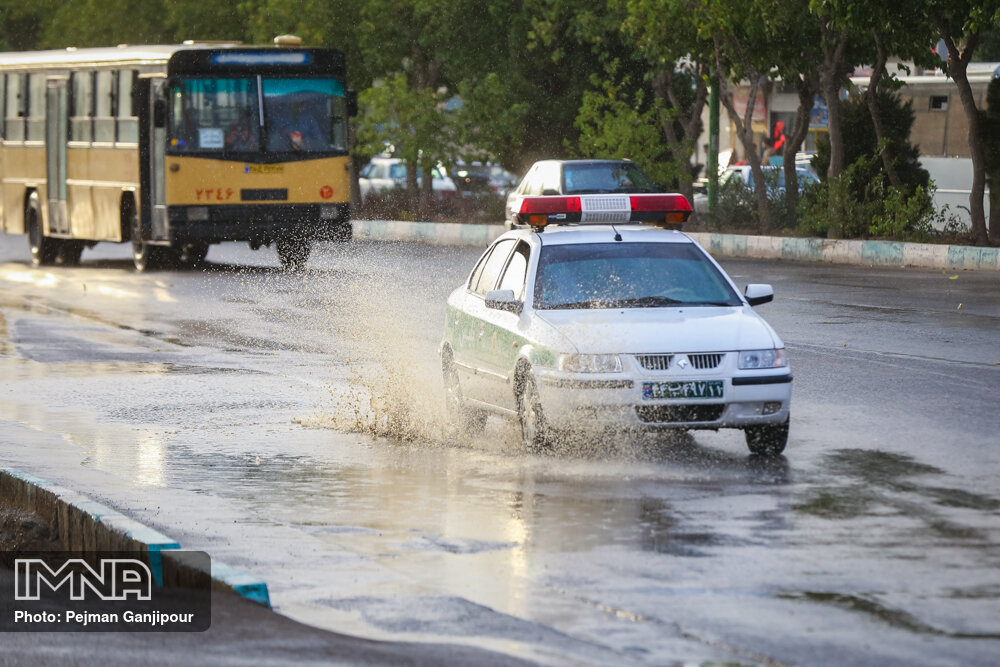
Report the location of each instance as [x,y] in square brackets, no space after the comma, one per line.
[292,425]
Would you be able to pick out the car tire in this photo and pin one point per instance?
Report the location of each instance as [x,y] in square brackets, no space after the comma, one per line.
[535,433]
[293,253]
[767,439]
[465,419]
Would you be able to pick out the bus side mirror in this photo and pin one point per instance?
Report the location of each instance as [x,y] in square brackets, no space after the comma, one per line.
[159,113]
[352,103]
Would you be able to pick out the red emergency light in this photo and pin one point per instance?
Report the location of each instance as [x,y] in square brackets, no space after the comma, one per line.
[663,210]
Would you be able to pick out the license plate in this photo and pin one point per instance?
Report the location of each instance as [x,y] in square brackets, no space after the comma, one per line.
[690,389]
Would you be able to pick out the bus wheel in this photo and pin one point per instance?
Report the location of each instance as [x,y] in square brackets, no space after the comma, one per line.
[69,253]
[293,253]
[43,249]
[343,232]
[193,254]
[145,257]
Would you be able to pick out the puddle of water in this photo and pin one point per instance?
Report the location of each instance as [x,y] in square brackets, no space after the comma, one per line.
[869,606]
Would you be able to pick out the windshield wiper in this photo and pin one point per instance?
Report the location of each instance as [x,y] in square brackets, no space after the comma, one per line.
[590,303]
[644,302]
[707,303]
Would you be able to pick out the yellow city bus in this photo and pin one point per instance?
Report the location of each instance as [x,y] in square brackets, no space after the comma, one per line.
[174,148]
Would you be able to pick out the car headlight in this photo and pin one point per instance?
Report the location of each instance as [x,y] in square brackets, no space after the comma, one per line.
[763,359]
[589,363]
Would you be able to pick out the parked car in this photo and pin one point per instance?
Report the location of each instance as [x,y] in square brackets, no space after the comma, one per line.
[592,325]
[384,174]
[774,176]
[565,177]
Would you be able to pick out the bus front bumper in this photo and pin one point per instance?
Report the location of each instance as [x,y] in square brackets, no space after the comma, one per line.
[259,224]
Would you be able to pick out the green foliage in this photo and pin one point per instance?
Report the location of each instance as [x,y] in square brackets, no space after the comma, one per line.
[735,208]
[407,121]
[860,142]
[22,23]
[881,211]
[84,23]
[617,121]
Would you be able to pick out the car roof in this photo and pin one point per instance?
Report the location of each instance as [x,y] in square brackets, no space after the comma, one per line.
[583,162]
[591,233]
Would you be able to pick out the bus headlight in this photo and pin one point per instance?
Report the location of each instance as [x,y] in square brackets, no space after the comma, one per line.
[197,213]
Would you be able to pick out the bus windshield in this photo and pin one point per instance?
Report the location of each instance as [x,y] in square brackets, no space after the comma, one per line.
[224,115]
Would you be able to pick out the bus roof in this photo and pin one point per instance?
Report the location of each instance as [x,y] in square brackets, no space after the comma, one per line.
[195,54]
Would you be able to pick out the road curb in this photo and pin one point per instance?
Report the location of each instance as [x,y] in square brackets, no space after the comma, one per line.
[833,251]
[86,525]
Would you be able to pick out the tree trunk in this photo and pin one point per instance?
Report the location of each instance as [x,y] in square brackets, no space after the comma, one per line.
[806,87]
[871,97]
[681,148]
[744,129]
[426,192]
[830,80]
[412,191]
[958,69]
[994,209]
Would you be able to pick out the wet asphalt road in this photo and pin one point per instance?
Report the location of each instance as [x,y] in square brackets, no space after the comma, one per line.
[291,425]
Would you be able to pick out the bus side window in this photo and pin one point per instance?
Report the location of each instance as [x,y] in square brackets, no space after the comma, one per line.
[104,91]
[128,123]
[13,117]
[81,105]
[36,107]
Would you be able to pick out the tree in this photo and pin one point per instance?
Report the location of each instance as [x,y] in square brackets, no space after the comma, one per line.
[861,140]
[739,31]
[677,70]
[106,23]
[991,140]
[959,23]
[22,23]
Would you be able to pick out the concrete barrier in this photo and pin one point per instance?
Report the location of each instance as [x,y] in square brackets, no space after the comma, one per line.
[85,525]
[834,251]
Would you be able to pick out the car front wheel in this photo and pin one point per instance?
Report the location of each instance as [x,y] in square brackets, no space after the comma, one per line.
[767,439]
[534,430]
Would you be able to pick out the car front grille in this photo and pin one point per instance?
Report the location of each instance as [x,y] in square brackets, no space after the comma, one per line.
[704,361]
[654,362]
[661,362]
[665,414]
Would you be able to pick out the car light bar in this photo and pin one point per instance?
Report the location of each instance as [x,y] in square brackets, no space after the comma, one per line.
[664,210]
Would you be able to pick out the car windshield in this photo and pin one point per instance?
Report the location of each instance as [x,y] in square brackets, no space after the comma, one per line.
[223,114]
[598,177]
[628,275]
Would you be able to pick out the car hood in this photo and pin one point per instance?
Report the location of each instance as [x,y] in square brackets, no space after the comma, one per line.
[662,330]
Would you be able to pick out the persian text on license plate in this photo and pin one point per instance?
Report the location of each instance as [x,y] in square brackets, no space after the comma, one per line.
[691,389]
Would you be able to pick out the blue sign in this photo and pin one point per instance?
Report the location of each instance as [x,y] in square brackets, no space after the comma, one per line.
[819,116]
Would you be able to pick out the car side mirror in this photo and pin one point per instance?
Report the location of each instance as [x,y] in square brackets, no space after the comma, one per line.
[757,294]
[504,299]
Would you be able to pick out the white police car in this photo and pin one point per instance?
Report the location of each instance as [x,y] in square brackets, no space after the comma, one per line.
[566,324]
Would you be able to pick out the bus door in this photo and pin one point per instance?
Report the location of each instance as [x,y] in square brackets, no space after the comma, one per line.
[150,95]
[56,124]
